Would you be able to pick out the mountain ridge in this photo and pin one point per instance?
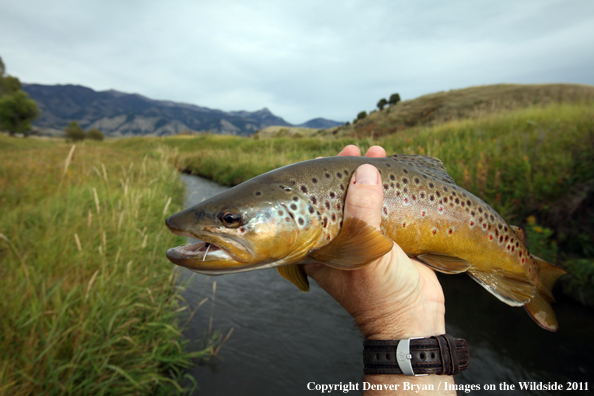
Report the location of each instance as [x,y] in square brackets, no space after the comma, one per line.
[120,114]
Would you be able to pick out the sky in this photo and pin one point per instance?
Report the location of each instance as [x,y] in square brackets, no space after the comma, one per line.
[301,60]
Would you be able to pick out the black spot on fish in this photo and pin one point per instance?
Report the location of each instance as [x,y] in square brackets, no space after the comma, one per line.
[422,195]
[310,209]
[414,197]
[242,229]
[404,170]
[385,186]
[472,213]
[342,187]
[468,203]
[313,200]
[325,222]
[431,185]
[417,180]
[346,172]
[304,189]
[445,188]
[438,194]
[338,206]
[339,175]
[314,180]
[333,217]
[385,210]
[431,198]
[492,218]
[405,190]
[453,193]
[295,199]
[480,209]
[392,177]
[258,193]
[405,180]
[457,201]
[388,164]
[397,185]
[287,189]
[281,213]
[392,185]
[327,205]
[445,200]
[424,177]
[332,195]
[327,175]
[293,206]
[300,221]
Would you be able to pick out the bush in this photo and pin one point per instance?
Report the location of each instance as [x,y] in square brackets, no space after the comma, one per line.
[74,132]
[95,134]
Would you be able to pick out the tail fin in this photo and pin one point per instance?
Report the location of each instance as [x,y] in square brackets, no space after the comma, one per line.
[540,308]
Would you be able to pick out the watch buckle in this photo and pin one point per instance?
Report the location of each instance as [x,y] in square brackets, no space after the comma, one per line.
[404,357]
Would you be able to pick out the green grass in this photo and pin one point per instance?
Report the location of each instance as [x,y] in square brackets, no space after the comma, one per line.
[536,161]
[473,102]
[89,304]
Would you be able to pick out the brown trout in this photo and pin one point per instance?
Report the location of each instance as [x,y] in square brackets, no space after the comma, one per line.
[294,215]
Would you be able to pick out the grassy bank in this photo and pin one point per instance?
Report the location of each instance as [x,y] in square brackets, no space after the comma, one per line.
[530,162]
[88,303]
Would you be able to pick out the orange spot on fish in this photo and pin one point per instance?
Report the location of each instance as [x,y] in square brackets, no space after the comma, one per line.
[472,223]
[404,225]
[423,213]
[491,237]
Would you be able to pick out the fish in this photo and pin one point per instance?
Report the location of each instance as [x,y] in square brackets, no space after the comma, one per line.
[293,216]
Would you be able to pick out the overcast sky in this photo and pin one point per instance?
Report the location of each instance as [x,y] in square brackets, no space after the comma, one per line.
[301,59]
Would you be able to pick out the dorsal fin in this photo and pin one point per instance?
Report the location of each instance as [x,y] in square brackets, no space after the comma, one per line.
[519,232]
[356,245]
[430,166]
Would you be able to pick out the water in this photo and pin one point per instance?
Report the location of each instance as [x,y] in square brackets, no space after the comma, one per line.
[283,338]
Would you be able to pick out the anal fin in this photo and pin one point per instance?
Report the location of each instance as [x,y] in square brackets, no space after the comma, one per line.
[357,245]
[541,311]
[295,274]
[445,264]
[514,289]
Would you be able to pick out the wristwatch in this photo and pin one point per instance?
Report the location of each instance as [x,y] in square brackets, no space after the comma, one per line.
[442,354]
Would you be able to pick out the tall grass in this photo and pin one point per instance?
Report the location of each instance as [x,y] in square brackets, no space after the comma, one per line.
[88,303]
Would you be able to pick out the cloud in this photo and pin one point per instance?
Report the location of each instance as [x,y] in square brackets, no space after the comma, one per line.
[300,59]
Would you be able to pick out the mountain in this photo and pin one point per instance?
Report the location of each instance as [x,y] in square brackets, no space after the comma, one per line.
[121,114]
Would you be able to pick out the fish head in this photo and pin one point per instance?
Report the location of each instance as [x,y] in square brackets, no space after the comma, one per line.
[251,226]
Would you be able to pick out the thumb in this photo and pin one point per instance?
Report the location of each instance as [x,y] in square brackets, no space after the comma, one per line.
[365,196]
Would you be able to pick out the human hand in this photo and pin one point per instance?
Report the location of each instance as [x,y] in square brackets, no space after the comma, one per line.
[394,297]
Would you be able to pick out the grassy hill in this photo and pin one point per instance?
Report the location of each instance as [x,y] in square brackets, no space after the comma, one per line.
[457,104]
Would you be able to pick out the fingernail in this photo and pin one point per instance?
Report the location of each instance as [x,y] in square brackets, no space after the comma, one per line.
[366,174]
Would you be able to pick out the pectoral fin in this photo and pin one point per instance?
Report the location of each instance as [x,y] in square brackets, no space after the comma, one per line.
[357,245]
[512,288]
[445,264]
[295,274]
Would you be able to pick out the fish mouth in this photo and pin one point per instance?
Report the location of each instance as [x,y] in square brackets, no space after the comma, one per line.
[210,253]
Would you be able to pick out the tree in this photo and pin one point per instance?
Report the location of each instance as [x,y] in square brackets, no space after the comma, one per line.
[362,115]
[16,109]
[95,134]
[394,98]
[382,103]
[16,112]
[74,131]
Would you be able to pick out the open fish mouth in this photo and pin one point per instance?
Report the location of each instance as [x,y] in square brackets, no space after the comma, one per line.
[200,251]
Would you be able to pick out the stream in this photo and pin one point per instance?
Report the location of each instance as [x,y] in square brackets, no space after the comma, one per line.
[284,339]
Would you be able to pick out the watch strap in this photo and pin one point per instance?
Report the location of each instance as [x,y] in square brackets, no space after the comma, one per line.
[442,355]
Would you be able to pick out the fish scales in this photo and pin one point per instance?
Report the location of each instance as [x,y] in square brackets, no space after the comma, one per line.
[294,215]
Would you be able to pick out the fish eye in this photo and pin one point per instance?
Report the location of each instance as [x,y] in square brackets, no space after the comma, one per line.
[229,218]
